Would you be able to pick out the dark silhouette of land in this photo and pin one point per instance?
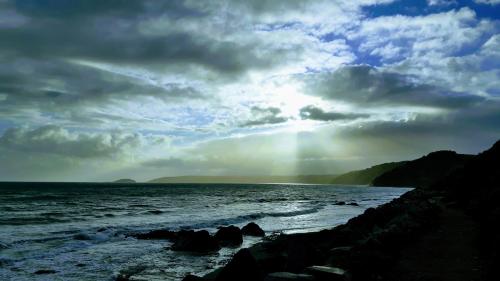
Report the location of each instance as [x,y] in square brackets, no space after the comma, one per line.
[424,171]
[420,172]
[366,176]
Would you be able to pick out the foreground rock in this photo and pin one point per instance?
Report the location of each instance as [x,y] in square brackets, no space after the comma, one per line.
[288,276]
[243,267]
[253,229]
[45,271]
[156,234]
[195,241]
[229,236]
[191,277]
[327,273]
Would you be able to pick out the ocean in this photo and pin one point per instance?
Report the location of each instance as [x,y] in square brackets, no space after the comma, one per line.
[79,230]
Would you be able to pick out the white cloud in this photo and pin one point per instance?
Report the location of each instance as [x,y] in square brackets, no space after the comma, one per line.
[444,33]
[441,2]
[488,2]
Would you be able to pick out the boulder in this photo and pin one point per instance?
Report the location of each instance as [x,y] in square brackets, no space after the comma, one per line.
[242,267]
[191,277]
[82,236]
[45,271]
[321,273]
[340,256]
[156,234]
[340,203]
[195,241]
[288,276]
[270,256]
[301,254]
[253,229]
[229,236]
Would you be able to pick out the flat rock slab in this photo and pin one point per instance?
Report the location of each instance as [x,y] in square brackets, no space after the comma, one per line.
[288,276]
[45,271]
[327,273]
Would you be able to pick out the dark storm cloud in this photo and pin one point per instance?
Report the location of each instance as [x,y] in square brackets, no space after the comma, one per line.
[76,8]
[367,86]
[311,112]
[58,85]
[110,32]
[265,116]
[58,141]
[465,130]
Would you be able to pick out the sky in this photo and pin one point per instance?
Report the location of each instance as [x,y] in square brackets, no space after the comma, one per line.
[95,90]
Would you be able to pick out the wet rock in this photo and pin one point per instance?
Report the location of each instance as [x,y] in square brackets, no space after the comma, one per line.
[195,241]
[269,256]
[321,273]
[229,236]
[368,262]
[301,254]
[353,204]
[339,256]
[242,267]
[45,271]
[253,229]
[156,234]
[288,276]
[340,203]
[191,277]
[82,236]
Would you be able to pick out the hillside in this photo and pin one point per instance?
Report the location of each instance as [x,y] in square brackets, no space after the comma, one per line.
[309,179]
[477,183]
[366,176]
[424,171]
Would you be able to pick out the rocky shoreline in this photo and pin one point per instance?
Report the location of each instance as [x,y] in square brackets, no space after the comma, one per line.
[361,249]
[441,231]
[445,231]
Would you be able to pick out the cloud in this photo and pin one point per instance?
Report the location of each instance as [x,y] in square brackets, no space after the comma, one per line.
[115,77]
[368,86]
[311,112]
[58,141]
[265,116]
[125,32]
[55,153]
[441,2]
[445,33]
[488,2]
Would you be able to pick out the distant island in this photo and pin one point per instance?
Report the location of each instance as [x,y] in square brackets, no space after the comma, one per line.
[125,181]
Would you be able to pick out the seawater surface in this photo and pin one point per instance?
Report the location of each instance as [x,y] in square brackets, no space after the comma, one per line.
[80,230]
